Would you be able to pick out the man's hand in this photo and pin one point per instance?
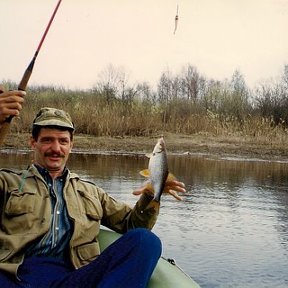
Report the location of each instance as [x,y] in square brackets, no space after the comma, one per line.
[172,187]
[10,103]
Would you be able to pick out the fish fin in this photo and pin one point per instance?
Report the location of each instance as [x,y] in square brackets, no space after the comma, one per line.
[153,205]
[149,187]
[149,155]
[145,173]
[171,177]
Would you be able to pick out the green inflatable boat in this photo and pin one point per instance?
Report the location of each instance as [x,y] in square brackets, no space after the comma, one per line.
[166,274]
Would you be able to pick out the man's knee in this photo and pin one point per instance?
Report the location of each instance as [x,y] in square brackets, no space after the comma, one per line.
[147,239]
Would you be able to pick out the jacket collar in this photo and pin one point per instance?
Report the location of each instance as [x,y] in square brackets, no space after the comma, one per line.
[35,170]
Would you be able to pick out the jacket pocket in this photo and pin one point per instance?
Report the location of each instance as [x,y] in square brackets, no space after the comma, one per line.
[88,252]
[5,252]
[20,203]
[92,206]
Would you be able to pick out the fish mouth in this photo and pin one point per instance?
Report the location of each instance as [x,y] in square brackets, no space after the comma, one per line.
[160,146]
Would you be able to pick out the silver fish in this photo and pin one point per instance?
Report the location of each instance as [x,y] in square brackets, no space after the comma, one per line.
[157,171]
[158,168]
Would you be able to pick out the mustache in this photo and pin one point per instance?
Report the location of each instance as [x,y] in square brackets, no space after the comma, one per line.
[53,154]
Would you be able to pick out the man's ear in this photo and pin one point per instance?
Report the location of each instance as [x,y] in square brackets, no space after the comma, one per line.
[32,143]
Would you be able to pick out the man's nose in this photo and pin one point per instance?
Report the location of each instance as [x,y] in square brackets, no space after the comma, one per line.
[56,145]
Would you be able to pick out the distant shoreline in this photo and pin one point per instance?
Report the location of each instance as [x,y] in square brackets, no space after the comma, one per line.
[231,146]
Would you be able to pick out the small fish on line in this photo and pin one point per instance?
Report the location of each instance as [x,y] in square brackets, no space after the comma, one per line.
[176,20]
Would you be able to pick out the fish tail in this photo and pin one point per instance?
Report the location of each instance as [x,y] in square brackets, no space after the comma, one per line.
[154,204]
[157,197]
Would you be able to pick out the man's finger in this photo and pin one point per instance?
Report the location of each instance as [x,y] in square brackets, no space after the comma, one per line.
[174,194]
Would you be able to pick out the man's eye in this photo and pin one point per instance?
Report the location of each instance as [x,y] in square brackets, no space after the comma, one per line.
[64,141]
[45,140]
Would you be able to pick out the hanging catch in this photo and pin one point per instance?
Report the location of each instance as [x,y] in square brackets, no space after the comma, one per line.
[176,20]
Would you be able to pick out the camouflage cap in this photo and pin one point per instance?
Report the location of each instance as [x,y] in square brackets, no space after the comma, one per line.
[53,117]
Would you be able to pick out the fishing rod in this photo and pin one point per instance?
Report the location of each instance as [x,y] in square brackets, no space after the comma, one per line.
[26,76]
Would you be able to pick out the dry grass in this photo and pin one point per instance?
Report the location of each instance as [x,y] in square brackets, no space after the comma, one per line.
[95,116]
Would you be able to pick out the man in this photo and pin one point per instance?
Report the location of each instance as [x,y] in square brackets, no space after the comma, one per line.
[50,218]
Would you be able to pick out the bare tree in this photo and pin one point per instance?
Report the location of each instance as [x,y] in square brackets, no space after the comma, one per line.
[113,83]
[190,82]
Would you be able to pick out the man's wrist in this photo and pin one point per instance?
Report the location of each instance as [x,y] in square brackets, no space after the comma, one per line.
[1,123]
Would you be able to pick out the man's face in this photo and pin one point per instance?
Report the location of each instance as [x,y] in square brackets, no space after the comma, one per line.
[52,149]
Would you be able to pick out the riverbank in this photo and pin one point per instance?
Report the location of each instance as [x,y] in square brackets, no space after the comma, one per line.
[224,146]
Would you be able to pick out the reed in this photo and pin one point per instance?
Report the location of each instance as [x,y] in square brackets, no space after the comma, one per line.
[94,114]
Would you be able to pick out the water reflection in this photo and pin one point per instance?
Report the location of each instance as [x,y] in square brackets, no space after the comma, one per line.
[231,228]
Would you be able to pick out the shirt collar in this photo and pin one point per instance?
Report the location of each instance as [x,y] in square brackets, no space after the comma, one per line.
[44,172]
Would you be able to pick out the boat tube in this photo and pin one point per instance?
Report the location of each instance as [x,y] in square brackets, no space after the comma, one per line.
[166,274]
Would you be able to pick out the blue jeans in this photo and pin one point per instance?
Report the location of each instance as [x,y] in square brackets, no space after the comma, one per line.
[128,262]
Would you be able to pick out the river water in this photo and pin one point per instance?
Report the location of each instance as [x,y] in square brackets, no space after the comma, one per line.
[230,230]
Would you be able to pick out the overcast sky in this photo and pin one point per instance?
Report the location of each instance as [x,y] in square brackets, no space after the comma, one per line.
[215,36]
